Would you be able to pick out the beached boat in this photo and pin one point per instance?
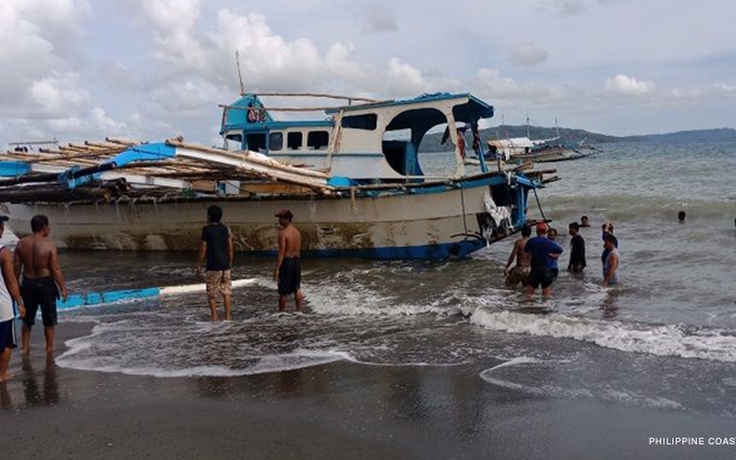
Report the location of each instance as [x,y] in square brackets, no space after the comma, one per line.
[353,181]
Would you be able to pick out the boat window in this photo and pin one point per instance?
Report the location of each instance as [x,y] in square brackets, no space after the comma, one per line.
[368,121]
[404,134]
[256,142]
[294,141]
[276,141]
[234,142]
[318,140]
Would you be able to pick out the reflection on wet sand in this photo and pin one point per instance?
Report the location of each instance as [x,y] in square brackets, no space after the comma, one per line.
[6,402]
[49,394]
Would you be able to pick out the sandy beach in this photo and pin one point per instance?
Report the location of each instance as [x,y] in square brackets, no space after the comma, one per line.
[333,411]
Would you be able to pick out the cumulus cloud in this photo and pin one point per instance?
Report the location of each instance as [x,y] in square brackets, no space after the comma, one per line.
[526,55]
[58,95]
[624,85]
[492,84]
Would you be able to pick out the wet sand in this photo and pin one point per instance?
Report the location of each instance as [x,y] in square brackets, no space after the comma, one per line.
[333,411]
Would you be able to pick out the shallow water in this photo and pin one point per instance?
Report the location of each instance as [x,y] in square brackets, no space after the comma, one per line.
[665,339]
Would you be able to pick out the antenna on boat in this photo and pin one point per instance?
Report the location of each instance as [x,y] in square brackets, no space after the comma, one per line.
[240,75]
[527,127]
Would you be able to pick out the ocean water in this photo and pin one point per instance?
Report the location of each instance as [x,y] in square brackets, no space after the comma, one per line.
[664,339]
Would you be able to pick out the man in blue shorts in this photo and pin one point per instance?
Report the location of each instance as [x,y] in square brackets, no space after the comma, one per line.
[9,298]
[541,249]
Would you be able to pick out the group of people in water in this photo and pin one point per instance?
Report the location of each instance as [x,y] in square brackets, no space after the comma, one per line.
[32,277]
[537,258]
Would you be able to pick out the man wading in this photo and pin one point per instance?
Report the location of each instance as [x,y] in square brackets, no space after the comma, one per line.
[288,271]
[217,247]
[38,260]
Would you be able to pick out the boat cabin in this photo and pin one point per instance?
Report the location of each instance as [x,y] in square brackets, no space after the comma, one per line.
[372,140]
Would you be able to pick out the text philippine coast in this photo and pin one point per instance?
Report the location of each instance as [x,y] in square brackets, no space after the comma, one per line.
[696,441]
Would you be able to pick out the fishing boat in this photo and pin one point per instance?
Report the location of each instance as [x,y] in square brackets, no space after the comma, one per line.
[353,180]
[522,149]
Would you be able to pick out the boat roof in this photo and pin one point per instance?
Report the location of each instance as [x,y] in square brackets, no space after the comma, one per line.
[466,108]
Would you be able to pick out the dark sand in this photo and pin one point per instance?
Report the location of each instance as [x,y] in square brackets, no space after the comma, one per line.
[340,410]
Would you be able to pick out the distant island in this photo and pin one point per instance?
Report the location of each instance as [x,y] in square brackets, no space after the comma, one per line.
[431,142]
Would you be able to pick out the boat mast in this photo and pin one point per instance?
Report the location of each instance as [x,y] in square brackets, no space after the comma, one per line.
[240,75]
[527,127]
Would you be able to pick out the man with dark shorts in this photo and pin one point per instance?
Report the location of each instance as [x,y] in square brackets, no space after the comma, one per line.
[9,298]
[288,271]
[540,248]
[577,254]
[217,247]
[36,257]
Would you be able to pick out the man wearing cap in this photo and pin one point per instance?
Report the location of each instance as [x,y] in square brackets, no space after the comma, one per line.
[9,298]
[288,271]
[217,248]
[541,249]
[37,258]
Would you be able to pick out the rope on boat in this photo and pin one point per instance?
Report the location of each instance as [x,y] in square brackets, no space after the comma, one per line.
[539,205]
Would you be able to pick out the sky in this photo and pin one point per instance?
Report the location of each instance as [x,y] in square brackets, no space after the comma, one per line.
[155,69]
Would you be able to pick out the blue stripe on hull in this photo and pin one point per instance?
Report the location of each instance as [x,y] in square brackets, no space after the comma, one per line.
[460,249]
[96,298]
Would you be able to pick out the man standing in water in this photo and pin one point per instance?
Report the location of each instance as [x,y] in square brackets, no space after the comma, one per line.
[540,248]
[9,294]
[37,258]
[520,272]
[554,267]
[577,255]
[217,247]
[610,264]
[288,271]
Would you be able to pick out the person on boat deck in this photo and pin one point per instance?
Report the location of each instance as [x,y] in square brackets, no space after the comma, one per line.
[610,265]
[37,258]
[288,271]
[520,272]
[217,248]
[554,267]
[577,253]
[540,248]
[461,143]
[584,222]
[9,298]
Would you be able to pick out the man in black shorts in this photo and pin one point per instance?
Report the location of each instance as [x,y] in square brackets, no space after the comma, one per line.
[37,258]
[540,249]
[288,271]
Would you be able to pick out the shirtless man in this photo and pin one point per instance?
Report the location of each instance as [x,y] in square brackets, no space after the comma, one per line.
[520,272]
[36,257]
[9,298]
[288,271]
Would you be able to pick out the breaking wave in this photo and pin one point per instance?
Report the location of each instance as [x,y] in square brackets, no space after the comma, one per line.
[661,340]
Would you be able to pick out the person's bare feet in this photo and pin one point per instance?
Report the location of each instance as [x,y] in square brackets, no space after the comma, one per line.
[5,378]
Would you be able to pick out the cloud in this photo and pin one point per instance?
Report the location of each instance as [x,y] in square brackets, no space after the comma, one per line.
[623,85]
[58,95]
[526,55]
[492,84]
[378,20]
[404,79]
